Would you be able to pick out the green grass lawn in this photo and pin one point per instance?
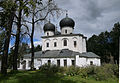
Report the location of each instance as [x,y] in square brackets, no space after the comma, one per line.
[38,77]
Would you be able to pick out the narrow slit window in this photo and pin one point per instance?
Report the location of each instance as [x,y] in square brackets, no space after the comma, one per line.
[75,43]
[49,62]
[65,63]
[47,44]
[55,44]
[65,42]
[47,34]
[58,62]
[65,31]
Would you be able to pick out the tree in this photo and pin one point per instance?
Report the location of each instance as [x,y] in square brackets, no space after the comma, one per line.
[106,44]
[22,10]
[7,13]
[23,49]
[39,12]
[15,56]
[115,34]
[38,48]
[2,37]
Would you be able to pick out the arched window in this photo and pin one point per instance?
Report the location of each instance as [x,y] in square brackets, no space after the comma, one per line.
[55,44]
[65,31]
[47,44]
[47,34]
[65,42]
[75,43]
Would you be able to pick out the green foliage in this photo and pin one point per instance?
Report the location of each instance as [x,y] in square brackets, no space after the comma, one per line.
[72,71]
[106,44]
[50,69]
[38,48]
[103,72]
[40,77]
[23,49]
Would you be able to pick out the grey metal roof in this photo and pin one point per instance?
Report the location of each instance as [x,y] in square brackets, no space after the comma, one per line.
[89,55]
[65,53]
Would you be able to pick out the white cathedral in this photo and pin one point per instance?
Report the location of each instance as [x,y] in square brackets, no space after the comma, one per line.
[62,48]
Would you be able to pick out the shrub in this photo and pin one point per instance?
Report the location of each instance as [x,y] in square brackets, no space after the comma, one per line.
[103,72]
[106,71]
[83,72]
[72,71]
[115,69]
[50,69]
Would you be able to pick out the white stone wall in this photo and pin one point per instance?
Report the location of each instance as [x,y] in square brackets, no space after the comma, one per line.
[41,61]
[83,62]
[84,45]
[54,61]
[96,61]
[70,43]
[79,61]
[49,33]
[69,30]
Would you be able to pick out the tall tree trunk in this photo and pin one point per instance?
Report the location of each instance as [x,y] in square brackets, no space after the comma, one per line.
[6,45]
[17,41]
[32,43]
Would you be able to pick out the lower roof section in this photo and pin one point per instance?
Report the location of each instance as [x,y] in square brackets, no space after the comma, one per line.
[65,53]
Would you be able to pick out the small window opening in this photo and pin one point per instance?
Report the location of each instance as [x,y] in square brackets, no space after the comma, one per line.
[47,44]
[65,63]
[75,43]
[47,34]
[65,42]
[49,62]
[65,31]
[55,44]
[58,62]
[73,62]
[91,62]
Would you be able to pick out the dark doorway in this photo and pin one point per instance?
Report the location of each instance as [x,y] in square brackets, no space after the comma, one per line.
[49,62]
[58,62]
[24,65]
[65,63]
[73,62]
[91,62]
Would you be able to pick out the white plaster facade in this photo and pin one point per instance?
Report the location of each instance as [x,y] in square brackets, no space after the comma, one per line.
[80,43]
[79,62]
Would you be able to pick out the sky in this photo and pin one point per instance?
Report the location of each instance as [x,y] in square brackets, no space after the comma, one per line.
[90,16]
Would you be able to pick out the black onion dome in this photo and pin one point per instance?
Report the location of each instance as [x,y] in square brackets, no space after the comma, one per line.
[67,22]
[49,27]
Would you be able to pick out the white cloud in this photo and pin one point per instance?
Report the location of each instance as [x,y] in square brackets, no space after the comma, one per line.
[90,16]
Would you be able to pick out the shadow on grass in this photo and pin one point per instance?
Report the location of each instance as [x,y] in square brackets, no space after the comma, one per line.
[35,77]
